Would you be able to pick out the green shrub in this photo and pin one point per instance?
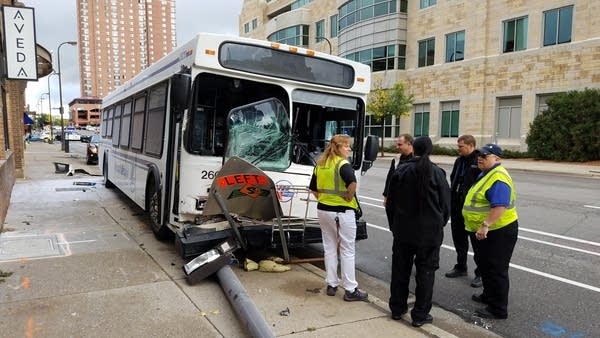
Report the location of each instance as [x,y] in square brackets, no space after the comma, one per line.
[569,130]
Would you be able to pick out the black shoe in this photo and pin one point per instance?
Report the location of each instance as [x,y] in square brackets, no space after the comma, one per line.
[479,298]
[426,320]
[476,282]
[356,295]
[331,290]
[456,273]
[398,316]
[486,313]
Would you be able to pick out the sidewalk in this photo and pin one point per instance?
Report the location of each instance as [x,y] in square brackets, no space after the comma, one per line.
[80,260]
[586,169]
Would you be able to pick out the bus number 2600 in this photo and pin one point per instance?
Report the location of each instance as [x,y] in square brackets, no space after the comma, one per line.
[208,174]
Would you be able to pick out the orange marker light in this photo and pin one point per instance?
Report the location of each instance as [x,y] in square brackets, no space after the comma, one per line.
[293,49]
[360,79]
[310,52]
[209,52]
[275,45]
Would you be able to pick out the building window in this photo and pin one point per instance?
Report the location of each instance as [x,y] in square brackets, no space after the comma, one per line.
[300,3]
[557,26]
[295,36]
[450,118]
[426,52]
[355,11]
[542,103]
[455,46]
[333,26]
[421,120]
[404,6]
[254,24]
[381,58]
[319,30]
[508,124]
[246,27]
[427,3]
[515,35]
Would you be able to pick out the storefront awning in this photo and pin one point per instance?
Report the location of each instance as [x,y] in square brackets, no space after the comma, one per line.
[26,119]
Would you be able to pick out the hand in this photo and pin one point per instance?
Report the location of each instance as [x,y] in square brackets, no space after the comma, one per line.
[481,234]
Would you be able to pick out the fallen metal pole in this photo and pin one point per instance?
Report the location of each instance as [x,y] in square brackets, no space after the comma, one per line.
[243,305]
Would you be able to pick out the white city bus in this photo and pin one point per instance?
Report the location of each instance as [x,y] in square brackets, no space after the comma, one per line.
[168,131]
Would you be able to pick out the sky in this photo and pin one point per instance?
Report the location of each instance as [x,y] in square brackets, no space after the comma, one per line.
[56,22]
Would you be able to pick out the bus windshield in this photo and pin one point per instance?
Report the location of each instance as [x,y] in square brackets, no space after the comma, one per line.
[260,134]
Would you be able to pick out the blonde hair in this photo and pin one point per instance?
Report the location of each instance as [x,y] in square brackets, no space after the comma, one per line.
[333,148]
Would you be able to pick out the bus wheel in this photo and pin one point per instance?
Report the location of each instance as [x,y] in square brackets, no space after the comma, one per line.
[160,230]
[107,183]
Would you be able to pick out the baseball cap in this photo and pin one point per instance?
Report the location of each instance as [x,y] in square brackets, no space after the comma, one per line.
[491,149]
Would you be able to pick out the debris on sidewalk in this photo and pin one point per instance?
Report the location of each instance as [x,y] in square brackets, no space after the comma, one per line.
[270,266]
[250,265]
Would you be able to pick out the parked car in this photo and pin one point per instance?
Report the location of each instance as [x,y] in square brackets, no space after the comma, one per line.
[72,136]
[85,138]
[92,149]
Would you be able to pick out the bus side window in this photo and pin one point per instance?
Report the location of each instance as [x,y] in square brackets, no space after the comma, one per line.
[219,141]
[201,128]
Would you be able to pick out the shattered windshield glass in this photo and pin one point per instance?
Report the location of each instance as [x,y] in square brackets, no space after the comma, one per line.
[260,134]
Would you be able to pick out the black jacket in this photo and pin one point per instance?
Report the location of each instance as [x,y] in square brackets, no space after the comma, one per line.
[463,176]
[408,223]
[393,167]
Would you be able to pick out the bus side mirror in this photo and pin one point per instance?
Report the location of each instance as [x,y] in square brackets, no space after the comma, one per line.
[180,90]
[371,149]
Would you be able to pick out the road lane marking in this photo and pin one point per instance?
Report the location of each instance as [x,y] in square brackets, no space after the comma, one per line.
[560,236]
[373,205]
[519,267]
[520,228]
[560,246]
[591,206]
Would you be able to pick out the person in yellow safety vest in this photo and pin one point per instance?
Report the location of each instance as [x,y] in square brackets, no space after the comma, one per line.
[492,222]
[334,185]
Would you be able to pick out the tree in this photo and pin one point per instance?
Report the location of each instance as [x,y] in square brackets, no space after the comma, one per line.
[42,120]
[569,130]
[384,103]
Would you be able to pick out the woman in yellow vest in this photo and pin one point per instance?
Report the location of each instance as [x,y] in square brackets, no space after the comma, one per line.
[334,185]
[492,221]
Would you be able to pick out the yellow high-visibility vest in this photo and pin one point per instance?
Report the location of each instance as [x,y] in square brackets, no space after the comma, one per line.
[330,185]
[477,207]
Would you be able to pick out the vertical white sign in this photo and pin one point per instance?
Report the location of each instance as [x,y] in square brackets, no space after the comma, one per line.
[19,28]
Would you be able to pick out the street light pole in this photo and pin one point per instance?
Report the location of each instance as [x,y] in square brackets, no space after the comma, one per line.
[50,108]
[65,144]
[327,40]
[50,111]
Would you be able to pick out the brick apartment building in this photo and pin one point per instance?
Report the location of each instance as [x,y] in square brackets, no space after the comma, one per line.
[117,40]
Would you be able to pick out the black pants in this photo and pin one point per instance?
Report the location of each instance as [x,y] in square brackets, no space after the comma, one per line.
[495,253]
[426,261]
[460,237]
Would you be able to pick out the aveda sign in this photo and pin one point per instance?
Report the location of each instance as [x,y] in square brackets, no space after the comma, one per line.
[19,37]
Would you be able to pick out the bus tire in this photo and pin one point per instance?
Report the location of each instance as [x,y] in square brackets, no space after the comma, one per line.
[160,230]
[107,183]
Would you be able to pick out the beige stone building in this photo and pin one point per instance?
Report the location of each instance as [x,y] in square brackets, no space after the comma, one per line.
[484,68]
[118,39]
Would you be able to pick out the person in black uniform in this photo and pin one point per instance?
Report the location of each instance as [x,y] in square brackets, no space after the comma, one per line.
[405,152]
[464,174]
[419,201]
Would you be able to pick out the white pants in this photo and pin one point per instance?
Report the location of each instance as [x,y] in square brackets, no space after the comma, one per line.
[344,237]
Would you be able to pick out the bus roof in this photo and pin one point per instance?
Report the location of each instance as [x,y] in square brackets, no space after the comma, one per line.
[202,52]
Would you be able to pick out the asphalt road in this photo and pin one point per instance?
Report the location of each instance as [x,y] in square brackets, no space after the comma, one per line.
[555,274]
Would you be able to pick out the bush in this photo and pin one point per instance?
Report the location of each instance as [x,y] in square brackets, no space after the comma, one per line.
[569,130]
